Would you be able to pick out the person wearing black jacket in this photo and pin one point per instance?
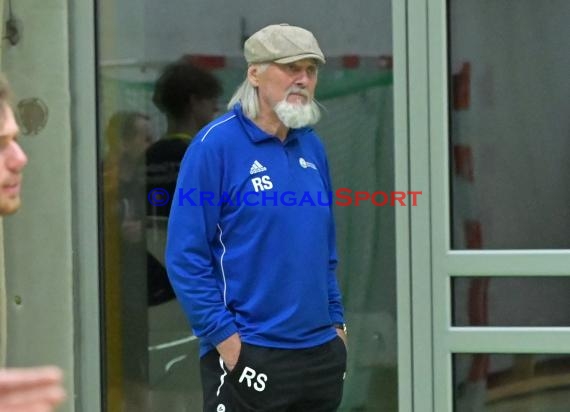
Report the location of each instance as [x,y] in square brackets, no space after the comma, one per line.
[187,95]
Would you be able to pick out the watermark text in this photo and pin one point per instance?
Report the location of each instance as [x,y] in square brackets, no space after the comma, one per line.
[341,197]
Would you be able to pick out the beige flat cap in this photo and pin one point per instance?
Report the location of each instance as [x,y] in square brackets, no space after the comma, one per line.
[282,43]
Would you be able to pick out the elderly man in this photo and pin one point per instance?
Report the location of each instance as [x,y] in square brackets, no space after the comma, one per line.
[25,389]
[254,270]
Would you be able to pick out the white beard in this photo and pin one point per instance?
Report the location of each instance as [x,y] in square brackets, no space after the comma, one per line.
[294,115]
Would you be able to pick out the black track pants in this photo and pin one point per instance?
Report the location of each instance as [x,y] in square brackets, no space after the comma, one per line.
[276,380]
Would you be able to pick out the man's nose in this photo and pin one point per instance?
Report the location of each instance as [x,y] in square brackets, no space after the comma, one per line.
[17,158]
[302,79]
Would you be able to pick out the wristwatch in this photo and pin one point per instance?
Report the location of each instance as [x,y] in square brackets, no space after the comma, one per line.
[341,326]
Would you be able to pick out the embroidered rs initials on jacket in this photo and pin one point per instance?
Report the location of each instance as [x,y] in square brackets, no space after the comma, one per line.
[262,183]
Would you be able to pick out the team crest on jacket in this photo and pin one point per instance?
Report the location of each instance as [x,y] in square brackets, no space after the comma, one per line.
[305,164]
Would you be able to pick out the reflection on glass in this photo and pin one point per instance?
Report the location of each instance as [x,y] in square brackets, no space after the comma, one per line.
[511,382]
[357,130]
[150,351]
[511,301]
[127,135]
[186,95]
[509,101]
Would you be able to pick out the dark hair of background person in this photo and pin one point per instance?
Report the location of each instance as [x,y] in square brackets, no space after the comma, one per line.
[179,82]
[187,95]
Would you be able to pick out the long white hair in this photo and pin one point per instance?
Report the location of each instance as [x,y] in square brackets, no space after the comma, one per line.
[246,95]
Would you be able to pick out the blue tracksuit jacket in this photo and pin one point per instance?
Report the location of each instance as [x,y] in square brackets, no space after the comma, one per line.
[251,237]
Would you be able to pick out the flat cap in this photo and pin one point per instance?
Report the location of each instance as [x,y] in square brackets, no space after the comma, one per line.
[282,43]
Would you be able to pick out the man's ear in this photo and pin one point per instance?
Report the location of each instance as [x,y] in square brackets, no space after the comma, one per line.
[253,75]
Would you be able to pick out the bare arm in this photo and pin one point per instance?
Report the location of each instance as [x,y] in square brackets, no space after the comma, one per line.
[31,389]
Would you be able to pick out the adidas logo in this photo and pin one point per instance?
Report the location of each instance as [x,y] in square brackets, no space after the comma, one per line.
[257,167]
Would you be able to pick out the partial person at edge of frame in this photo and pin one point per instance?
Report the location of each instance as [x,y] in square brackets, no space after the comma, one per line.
[32,389]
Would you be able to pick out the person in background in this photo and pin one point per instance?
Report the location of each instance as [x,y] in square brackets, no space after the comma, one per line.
[35,389]
[128,135]
[187,95]
[257,279]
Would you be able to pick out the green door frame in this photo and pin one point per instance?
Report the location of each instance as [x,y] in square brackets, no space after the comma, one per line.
[413,226]
[410,337]
[85,207]
[83,88]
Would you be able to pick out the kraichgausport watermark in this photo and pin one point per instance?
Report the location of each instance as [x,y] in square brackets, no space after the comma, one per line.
[341,197]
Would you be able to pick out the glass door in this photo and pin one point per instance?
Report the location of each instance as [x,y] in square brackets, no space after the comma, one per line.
[499,264]
[151,355]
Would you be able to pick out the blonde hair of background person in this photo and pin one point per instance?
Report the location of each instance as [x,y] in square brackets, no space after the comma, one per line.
[36,389]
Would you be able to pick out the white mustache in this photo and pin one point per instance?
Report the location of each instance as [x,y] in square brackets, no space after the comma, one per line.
[297,90]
